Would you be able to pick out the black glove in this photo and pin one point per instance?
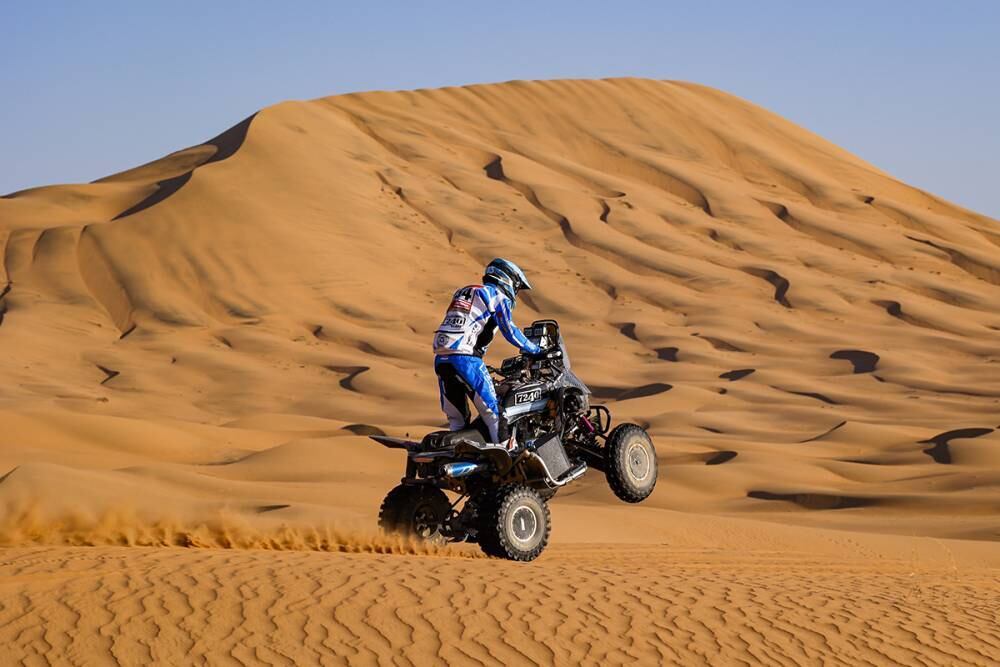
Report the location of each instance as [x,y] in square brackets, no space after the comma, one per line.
[550,353]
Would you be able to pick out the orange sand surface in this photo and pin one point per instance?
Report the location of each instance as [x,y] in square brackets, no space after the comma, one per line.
[194,350]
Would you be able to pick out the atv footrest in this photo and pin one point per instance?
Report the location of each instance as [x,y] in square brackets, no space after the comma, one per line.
[575,473]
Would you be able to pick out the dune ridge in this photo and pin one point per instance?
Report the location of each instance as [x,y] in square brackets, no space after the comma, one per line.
[195,349]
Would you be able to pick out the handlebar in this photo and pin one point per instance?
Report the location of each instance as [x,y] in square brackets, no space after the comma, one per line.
[523,363]
[551,353]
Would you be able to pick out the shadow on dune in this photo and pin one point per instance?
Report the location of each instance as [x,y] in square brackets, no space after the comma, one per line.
[226,145]
[824,433]
[363,429]
[620,394]
[270,508]
[666,353]
[863,362]
[719,344]
[780,284]
[3,302]
[109,373]
[351,373]
[720,457]
[816,501]
[940,452]
[628,330]
[738,374]
[809,394]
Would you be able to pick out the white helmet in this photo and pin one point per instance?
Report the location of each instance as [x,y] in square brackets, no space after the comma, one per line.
[506,275]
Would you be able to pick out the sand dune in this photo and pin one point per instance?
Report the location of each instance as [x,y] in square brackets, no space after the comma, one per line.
[194,350]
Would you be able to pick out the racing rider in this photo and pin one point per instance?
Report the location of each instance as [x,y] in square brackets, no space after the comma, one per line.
[475,313]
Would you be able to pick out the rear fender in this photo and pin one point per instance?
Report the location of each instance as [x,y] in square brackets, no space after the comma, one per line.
[395,443]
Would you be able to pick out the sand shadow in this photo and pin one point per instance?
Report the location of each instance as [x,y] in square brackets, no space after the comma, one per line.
[779,282]
[352,373]
[816,501]
[863,362]
[624,394]
[363,429]
[824,433]
[720,457]
[226,145]
[666,353]
[941,452]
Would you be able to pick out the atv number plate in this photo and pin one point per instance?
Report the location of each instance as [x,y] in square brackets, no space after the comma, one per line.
[527,396]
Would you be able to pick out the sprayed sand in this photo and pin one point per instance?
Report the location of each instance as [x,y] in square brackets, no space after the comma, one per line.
[194,350]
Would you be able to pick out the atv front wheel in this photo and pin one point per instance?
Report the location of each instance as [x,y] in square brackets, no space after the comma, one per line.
[630,463]
[414,511]
[514,523]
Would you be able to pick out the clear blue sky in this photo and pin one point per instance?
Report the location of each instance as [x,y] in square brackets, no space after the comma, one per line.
[91,88]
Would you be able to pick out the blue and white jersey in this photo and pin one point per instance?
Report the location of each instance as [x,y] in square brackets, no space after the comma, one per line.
[472,319]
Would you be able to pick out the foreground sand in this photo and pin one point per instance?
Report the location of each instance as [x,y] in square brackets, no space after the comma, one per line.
[596,605]
[193,351]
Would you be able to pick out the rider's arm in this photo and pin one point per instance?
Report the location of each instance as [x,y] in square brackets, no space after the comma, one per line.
[514,336]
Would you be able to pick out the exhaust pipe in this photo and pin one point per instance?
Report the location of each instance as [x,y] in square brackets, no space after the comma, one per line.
[461,468]
[574,475]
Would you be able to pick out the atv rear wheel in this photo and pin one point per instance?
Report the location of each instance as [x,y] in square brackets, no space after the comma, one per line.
[630,463]
[514,523]
[414,511]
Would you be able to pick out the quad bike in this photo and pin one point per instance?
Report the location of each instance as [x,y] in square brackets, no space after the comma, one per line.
[548,409]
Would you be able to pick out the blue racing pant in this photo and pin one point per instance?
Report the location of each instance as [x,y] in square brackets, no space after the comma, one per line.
[463,376]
